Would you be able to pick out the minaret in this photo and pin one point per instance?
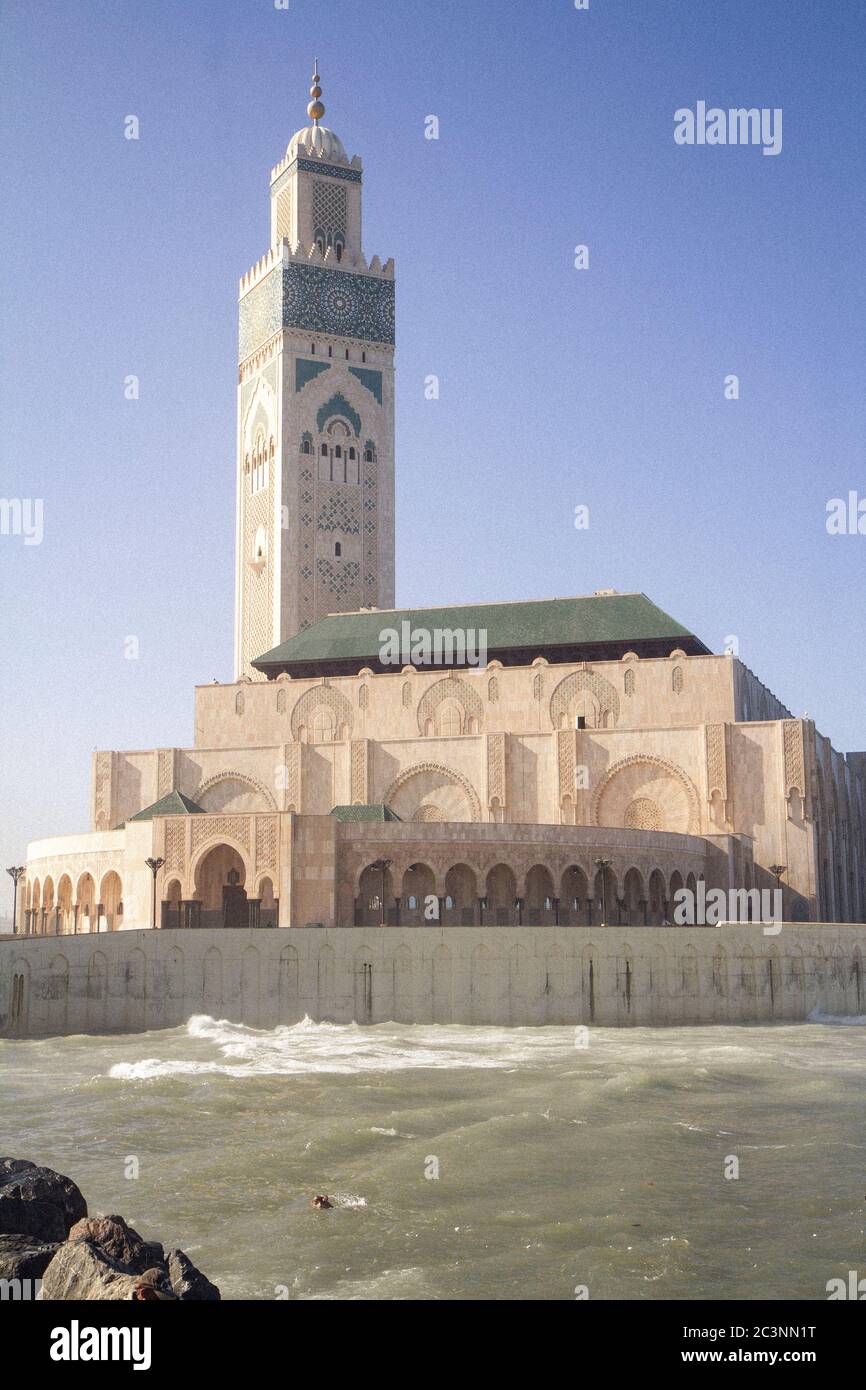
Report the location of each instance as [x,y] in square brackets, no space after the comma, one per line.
[315,482]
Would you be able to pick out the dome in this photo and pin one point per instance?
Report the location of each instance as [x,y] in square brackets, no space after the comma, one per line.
[319,141]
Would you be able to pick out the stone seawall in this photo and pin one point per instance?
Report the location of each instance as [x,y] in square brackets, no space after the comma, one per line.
[616,976]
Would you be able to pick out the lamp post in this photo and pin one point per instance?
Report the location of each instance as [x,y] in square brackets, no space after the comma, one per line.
[15,873]
[603,865]
[777,870]
[154,865]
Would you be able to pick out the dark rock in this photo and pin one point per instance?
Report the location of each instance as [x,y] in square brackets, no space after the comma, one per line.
[188,1282]
[82,1270]
[22,1257]
[13,1165]
[45,1233]
[37,1201]
[120,1243]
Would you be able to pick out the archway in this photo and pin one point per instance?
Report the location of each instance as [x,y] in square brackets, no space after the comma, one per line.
[268,907]
[375,898]
[219,885]
[634,898]
[111,903]
[606,896]
[48,914]
[540,908]
[64,903]
[574,891]
[84,906]
[171,909]
[460,896]
[501,895]
[419,883]
[657,898]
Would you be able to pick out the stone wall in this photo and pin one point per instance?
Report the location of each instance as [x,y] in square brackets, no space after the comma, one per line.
[133,981]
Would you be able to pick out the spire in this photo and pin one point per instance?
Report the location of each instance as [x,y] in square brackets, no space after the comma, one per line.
[316,108]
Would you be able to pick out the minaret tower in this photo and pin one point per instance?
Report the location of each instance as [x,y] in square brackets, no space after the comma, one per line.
[315,480]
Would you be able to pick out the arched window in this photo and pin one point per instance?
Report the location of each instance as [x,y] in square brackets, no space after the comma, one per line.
[677,680]
[324,449]
[305,447]
[260,546]
[628,683]
[338,549]
[450,720]
[338,452]
[322,726]
[368,455]
[351,453]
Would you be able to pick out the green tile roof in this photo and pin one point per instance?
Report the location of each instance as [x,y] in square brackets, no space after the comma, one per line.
[172,804]
[361,813]
[536,627]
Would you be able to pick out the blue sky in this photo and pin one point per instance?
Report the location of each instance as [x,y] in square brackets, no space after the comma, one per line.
[559,387]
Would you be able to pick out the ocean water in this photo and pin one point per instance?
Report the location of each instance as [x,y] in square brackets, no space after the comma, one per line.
[468,1163]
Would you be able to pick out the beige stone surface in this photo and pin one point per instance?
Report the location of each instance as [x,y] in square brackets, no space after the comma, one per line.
[612,976]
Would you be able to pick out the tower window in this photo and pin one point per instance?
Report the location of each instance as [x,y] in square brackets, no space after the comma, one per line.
[324,449]
[351,453]
[338,549]
[312,347]
[347,354]
[330,351]
[363,356]
[368,455]
[338,452]
[581,721]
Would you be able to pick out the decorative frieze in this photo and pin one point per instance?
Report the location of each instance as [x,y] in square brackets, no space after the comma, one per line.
[359,793]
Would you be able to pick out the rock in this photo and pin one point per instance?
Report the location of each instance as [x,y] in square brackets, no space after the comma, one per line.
[120,1243]
[23,1257]
[187,1282]
[81,1270]
[45,1233]
[13,1165]
[37,1201]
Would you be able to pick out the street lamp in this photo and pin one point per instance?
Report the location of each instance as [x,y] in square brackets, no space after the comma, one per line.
[15,874]
[777,870]
[154,865]
[603,865]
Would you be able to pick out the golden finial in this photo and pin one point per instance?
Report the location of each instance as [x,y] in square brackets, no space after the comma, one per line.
[316,108]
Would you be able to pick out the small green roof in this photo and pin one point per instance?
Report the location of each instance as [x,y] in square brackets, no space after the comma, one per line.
[598,626]
[361,813]
[172,804]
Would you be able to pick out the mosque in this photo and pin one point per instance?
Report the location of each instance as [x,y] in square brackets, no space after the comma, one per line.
[570,762]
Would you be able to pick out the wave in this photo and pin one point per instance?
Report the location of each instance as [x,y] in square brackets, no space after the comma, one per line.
[340,1049]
